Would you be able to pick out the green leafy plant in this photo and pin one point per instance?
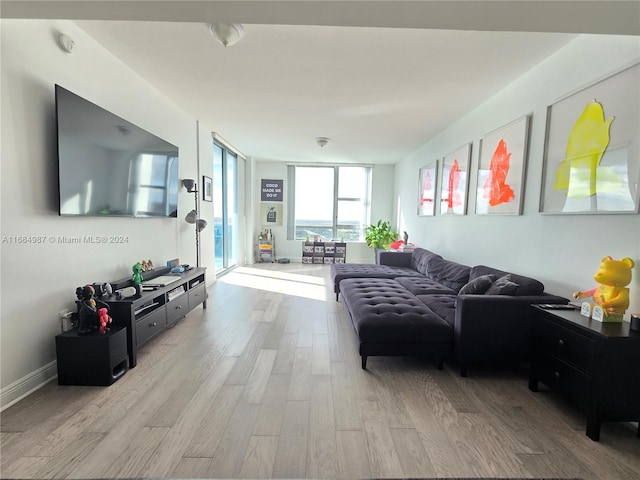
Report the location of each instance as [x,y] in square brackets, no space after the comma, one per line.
[380,235]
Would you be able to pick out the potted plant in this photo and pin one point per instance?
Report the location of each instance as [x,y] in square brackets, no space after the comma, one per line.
[379,236]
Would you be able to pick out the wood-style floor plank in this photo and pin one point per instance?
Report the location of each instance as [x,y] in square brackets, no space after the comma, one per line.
[266,383]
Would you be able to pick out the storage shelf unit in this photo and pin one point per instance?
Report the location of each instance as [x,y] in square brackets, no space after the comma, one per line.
[267,250]
[148,314]
[324,252]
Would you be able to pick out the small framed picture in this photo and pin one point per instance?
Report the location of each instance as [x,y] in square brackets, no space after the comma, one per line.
[207,189]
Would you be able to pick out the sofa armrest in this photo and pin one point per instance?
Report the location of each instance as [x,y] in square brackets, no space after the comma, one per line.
[496,328]
[396,259]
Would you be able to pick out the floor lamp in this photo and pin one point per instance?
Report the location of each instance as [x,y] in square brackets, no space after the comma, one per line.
[193,216]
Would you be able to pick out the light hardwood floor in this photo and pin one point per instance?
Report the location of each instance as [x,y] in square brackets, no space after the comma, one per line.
[266,383]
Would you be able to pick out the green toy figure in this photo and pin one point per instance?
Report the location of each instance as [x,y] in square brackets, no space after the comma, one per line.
[137,277]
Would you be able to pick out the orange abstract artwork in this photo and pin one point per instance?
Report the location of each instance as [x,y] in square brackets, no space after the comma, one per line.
[495,188]
[453,199]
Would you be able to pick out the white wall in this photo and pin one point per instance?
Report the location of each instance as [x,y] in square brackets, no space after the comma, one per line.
[37,281]
[382,207]
[563,251]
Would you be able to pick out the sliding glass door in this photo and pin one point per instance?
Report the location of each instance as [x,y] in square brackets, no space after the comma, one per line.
[225,207]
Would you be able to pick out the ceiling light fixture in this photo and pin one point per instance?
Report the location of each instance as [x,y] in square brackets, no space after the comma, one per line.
[322,141]
[227,34]
[66,43]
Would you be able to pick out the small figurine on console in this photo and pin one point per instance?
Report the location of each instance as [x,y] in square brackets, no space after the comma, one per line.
[137,277]
[103,319]
[88,321]
[612,293]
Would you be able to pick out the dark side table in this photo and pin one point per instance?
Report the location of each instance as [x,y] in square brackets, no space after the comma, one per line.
[91,359]
[596,365]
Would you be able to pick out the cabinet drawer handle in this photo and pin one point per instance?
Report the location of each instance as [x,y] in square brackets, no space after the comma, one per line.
[153,324]
[178,307]
[561,343]
[556,374]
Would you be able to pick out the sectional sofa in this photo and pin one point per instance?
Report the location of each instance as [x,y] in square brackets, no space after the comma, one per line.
[421,304]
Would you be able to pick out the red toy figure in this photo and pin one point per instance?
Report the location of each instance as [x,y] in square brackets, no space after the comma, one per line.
[104,319]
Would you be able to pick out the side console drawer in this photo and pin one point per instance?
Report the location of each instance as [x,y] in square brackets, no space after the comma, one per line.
[149,326]
[568,345]
[564,378]
[197,295]
[177,308]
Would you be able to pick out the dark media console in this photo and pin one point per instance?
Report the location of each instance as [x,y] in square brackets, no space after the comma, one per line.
[146,315]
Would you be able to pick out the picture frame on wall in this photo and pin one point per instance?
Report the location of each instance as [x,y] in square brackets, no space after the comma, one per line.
[454,181]
[592,148]
[501,169]
[207,189]
[427,181]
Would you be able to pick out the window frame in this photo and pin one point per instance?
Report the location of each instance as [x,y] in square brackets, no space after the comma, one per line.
[336,226]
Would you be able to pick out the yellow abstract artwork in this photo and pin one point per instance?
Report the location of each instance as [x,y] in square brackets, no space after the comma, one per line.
[587,142]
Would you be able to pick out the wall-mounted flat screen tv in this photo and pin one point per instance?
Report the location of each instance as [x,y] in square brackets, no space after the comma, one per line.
[108,166]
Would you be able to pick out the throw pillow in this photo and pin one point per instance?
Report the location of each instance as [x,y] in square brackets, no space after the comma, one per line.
[502,286]
[478,285]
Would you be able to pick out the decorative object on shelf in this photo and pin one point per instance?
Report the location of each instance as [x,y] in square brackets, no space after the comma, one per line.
[455,181]
[612,294]
[137,277]
[207,189]
[228,34]
[380,236]
[193,216]
[103,321]
[427,179]
[635,322]
[88,321]
[501,169]
[146,265]
[102,290]
[591,160]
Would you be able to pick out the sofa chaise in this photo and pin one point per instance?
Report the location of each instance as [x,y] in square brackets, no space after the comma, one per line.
[421,304]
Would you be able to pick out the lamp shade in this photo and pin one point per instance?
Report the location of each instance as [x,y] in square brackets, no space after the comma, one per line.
[191,217]
[189,184]
[201,224]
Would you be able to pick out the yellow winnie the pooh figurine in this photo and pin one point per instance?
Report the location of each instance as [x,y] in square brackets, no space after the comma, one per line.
[611,294]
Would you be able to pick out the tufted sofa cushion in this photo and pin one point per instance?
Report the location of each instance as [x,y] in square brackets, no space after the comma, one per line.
[526,285]
[423,286]
[384,311]
[420,260]
[341,271]
[442,305]
[450,274]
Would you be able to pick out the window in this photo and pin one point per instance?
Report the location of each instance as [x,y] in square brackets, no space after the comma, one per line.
[225,207]
[329,201]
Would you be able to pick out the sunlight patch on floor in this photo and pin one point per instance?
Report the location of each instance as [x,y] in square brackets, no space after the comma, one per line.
[306,286]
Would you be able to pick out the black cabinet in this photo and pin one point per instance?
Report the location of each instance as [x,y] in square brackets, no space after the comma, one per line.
[594,364]
[91,359]
[148,314]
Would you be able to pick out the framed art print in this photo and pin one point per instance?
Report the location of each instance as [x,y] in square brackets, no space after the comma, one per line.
[427,177]
[592,148]
[207,189]
[501,169]
[455,181]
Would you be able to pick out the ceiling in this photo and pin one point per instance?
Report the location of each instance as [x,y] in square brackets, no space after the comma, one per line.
[352,72]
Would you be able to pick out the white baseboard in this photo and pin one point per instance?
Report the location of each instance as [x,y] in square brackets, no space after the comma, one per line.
[28,384]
